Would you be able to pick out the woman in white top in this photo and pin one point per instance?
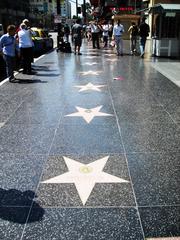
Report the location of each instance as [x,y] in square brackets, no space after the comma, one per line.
[118,30]
[25,45]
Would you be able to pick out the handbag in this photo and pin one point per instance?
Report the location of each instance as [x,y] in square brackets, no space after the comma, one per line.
[112,43]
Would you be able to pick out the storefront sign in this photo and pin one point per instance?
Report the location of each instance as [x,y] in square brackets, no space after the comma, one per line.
[122,9]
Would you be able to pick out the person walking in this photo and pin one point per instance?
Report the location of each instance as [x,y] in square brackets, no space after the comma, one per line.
[25,45]
[118,30]
[95,30]
[8,45]
[88,33]
[144,33]
[133,30]
[105,29]
[110,31]
[77,36]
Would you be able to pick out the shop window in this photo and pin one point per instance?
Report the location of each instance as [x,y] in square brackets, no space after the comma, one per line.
[167,25]
[170,25]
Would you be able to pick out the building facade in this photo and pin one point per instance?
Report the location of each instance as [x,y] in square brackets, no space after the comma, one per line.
[163,17]
[65,9]
[43,10]
[13,11]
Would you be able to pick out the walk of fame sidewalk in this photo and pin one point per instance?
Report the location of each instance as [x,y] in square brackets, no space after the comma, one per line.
[89,149]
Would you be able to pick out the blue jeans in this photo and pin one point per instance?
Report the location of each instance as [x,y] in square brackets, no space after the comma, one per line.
[10,63]
[142,44]
[119,44]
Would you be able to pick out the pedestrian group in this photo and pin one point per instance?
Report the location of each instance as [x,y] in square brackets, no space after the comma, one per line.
[18,42]
[110,35]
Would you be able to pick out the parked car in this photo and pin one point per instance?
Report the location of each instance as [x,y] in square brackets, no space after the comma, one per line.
[42,40]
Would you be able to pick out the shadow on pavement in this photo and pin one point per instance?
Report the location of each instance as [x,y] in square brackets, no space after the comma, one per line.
[47,75]
[15,206]
[28,81]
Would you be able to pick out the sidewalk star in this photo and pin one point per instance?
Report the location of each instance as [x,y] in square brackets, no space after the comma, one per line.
[91,57]
[90,64]
[85,176]
[111,60]
[90,86]
[90,73]
[109,54]
[88,114]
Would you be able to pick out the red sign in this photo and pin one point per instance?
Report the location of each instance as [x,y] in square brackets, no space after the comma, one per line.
[123,9]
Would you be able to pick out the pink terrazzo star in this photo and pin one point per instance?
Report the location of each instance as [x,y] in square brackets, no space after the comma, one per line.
[118,78]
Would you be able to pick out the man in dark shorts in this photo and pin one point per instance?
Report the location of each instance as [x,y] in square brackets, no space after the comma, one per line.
[77,36]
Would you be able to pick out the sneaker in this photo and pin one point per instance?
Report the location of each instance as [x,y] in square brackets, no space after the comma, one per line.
[142,55]
[79,53]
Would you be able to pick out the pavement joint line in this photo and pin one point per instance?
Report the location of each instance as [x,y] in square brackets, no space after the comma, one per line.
[164,238]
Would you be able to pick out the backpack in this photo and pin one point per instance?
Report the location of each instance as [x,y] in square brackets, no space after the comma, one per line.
[135,31]
[65,47]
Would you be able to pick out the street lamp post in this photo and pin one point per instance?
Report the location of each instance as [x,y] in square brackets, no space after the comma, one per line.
[84,10]
[59,27]
[76,8]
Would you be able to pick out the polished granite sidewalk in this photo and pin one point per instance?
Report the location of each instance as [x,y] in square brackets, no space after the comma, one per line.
[84,156]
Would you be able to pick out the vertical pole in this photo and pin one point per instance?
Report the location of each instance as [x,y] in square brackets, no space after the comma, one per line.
[59,24]
[76,8]
[84,11]
[135,7]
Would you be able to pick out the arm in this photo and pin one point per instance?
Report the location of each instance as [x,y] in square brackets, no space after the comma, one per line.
[1,46]
[122,30]
[129,28]
[113,32]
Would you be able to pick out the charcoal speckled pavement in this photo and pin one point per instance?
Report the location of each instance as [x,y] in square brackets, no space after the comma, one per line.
[89,149]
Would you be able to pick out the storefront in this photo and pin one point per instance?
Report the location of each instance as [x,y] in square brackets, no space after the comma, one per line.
[126,20]
[166,30]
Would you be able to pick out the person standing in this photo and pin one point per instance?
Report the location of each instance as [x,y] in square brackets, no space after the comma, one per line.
[25,45]
[27,23]
[95,30]
[133,30]
[77,36]
[8,45]
[66,32]
[144,33]
[118,30]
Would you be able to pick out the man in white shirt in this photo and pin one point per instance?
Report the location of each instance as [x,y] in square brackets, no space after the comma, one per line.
[25,45]
[118,30]
[95,29]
